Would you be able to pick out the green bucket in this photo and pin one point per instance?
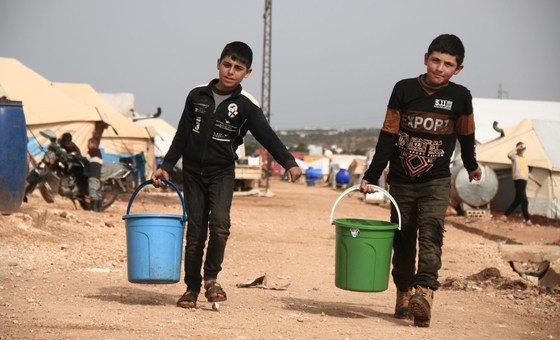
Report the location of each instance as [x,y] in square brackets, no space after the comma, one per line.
[363,249]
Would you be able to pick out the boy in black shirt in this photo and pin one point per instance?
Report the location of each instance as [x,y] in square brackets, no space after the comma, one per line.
[215,120]
[425,116]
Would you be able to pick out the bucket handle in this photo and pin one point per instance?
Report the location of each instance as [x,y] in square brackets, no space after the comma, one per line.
[357,187]
[183,219]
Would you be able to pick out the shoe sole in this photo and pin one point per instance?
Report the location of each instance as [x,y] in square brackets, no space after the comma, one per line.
[421,311]
[404,313]
[186,304]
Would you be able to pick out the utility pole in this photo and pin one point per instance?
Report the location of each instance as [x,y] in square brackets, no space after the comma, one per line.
[501,92]
[265,85]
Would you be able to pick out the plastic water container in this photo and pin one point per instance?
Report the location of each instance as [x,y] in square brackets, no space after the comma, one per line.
[342,176]
[363,250]
[13,155]
[312,173]
[154,243]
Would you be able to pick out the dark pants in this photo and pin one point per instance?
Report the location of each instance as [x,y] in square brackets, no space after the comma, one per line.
[208,200]
[422,208]
[520,198]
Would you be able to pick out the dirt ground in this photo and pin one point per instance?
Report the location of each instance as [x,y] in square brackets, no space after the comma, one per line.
[63,275]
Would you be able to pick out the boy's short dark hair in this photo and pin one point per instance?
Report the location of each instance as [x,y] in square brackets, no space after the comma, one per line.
[238,51]
[95,141]
[66,137]
[450,44]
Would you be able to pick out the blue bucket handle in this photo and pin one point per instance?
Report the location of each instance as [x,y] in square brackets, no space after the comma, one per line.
[183,219]
[357,187]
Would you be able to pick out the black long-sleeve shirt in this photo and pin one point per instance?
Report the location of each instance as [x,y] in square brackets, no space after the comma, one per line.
[420,131]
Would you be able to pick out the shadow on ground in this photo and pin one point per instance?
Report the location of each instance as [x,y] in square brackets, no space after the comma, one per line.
[339,310]
[133,296]
[486,235]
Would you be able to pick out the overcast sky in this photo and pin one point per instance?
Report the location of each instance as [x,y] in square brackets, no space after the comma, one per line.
[334,62]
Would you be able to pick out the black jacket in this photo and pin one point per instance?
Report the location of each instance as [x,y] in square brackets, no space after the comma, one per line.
[208,136]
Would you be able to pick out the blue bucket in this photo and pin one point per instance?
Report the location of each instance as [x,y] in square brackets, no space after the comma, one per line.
[154,243]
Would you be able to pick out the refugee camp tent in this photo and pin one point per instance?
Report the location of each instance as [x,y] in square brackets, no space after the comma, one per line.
[47,107]
[508,112]
[121,101]
[123,137]
[164,134]
[543,158]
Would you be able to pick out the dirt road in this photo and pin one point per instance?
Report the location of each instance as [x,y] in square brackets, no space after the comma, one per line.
[63,274]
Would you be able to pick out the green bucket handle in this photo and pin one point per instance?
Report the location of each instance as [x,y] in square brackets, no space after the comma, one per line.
[357,187]
[183,218]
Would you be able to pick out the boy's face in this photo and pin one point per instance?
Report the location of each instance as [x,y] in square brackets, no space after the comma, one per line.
[231,73]
[440,67]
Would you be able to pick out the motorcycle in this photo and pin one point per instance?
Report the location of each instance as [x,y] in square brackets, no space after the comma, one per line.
[62,173]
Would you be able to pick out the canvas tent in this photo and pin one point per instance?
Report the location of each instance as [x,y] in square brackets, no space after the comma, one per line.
[123,137]
[160,129]
[508,112]
[121,101]
[45,106]
[164,134]
[543,157]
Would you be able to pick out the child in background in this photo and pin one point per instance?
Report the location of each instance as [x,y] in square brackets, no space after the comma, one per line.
[93,171]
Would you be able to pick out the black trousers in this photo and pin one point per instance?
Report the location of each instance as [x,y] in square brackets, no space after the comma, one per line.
[422,208]
[520,199]
[208,199]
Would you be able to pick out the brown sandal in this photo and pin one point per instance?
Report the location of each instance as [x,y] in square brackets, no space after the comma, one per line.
[214,292]
[188,300]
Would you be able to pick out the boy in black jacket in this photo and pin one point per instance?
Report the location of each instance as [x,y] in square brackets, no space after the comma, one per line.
[215,120]
[425,117]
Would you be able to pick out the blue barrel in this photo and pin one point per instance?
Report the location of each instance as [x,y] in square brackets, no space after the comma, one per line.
[13,155]
[154,243]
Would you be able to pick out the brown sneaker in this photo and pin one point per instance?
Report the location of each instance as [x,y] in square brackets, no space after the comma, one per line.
[402,311]
[421,306]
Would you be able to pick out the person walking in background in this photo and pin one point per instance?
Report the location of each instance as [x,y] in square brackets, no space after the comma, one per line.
[425,116]
[93,171]
[139,166]
[215,119]
[520,175]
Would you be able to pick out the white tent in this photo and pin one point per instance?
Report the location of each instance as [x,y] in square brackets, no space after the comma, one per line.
[161,130]
[121,101]
[164,134]
[47,107]
[123,135]
[508,112]
[543,157]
